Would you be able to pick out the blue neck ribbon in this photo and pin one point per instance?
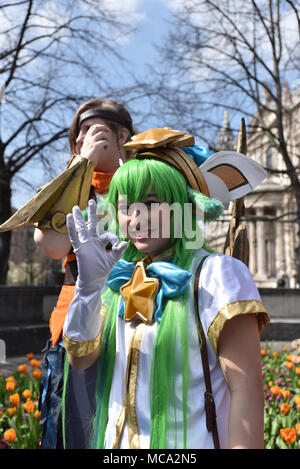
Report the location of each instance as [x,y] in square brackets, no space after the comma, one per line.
[173,279]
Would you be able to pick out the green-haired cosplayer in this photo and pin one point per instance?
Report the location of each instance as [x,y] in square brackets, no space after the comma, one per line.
[135,311]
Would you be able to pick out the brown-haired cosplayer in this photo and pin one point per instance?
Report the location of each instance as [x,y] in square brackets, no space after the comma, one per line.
[97,134]
[98,131]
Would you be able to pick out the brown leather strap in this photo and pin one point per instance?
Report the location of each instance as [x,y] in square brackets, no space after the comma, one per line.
[209,403]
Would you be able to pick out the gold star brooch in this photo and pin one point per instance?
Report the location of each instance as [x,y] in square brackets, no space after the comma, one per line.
[139,294]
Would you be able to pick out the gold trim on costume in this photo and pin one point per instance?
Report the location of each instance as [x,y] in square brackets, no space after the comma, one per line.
[235,309]
[128,410]
[133,427]
[83,348]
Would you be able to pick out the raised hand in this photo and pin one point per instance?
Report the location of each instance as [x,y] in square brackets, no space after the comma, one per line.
[94,261]
[94,142]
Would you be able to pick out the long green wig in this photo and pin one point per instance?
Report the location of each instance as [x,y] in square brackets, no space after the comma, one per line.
[136,179]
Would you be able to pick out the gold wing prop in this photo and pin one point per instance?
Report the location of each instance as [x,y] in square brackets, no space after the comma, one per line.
[49,207]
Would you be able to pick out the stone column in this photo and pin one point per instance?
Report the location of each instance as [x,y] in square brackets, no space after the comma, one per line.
[279,246]
[261,273]
[288,240]
[252,247]
[289,253]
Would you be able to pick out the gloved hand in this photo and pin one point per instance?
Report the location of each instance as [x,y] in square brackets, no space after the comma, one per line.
[93,260]
[94,265]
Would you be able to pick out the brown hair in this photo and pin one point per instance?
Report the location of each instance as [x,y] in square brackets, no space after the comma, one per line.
[98,103]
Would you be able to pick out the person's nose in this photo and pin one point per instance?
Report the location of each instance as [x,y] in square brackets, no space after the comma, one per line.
[139,219]
[134,219]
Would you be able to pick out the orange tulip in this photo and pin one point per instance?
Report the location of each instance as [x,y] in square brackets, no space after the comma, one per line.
[297,401]
[23,368]
[26,393]
[10,435]
[35,363]
[285,408]
[263,352]
[37,415]
[28,406]
[288,435]
[14,399]
[275,390]
[289,364]
[297,370]
[37,373]
[11,411]
[298,429]
[275,354]
[10,386]
[286,393]
[10,378]
[284,349]
[30,356]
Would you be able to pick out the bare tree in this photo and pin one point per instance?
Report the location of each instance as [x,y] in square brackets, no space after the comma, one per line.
[53,55]
[237,56]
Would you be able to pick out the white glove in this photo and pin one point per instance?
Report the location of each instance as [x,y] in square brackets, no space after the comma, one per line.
[94,265]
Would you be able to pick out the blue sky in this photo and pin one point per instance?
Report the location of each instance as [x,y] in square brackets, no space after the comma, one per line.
[150,30]
[150,17]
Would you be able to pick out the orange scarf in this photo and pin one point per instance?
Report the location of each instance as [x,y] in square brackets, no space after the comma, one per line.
[101,181]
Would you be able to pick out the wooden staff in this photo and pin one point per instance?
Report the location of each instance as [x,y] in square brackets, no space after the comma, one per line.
[237,243]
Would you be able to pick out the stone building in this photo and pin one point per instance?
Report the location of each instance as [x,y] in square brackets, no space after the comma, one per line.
[270,208]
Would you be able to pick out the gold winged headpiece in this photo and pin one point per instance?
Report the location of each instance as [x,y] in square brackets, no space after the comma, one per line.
[225,175]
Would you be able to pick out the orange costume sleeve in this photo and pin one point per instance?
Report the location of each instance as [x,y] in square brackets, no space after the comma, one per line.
[59,313]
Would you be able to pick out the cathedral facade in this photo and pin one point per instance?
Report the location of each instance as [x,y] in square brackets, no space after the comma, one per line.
[270,208]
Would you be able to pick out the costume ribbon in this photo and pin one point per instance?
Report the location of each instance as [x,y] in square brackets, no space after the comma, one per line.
[173,280]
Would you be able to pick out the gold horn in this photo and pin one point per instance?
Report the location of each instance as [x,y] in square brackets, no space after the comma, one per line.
[237,243]
[49,207]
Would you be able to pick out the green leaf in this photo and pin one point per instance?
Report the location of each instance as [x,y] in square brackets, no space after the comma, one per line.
[280,443]
[275,426]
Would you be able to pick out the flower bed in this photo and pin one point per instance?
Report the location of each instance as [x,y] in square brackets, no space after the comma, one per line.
[281,376]
[19,415]
[20,418]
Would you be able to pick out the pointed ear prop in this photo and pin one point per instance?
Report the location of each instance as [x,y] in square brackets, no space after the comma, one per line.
[239,174]
[218,188]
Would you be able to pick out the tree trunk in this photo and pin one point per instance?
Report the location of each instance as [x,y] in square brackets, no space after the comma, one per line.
[5,213]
